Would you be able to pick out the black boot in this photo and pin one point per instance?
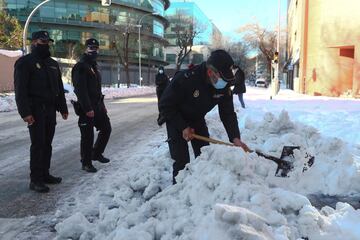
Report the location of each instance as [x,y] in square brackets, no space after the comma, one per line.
[100,158]
[49,179]
[89,168]
[39,187]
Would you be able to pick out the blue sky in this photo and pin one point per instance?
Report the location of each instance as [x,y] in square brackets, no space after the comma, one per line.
[228,15]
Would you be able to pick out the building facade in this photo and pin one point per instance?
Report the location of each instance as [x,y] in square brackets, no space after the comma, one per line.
[71,22]
[324,47]
[188,16]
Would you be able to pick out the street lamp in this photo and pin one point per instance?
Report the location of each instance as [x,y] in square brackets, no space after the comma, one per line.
[139,40]
[28,22]
[103,2]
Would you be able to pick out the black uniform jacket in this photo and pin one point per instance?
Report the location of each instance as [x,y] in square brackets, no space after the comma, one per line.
[161,81]
[189,97]
[239,82]
[38,81]
[87,83]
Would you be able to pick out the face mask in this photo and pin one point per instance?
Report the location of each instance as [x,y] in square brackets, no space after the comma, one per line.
[220,83]
[43,50]
[161,71]
[92,55]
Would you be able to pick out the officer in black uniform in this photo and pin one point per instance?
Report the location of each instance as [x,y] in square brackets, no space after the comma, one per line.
[161,82]
[39,93]
[90,107]
[189,97]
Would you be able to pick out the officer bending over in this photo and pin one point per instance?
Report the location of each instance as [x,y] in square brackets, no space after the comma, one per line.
[39,93]
[90,107]
[189,97]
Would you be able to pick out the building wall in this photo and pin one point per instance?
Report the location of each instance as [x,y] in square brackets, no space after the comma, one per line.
[329,47]
[7,71]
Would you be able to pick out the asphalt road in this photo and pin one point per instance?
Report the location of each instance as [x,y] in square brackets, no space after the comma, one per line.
[130,118]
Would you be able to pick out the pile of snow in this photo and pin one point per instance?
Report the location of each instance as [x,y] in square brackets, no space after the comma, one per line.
[11,53]
[7,102]
[225,193]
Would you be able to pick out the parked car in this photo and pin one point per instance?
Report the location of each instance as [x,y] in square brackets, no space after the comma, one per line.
[261,82]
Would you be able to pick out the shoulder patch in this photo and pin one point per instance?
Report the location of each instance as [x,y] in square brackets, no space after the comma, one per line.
[196,93]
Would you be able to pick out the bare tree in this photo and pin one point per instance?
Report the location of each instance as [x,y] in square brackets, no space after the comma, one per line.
[186,30]
[239,52]
[120,42]
[261,39]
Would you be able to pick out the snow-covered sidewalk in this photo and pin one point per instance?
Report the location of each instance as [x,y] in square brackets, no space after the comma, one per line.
[226,193]
[7,102]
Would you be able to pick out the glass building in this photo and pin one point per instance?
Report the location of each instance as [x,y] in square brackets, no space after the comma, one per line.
[184,16]
[71,22]
[189,12]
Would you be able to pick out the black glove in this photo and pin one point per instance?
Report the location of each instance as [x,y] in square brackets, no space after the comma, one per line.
[77,107]
[161,120]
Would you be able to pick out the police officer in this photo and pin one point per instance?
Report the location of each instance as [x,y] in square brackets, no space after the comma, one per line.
[239,84]
[92,111]
[193,93]
[161,81]
[39,93]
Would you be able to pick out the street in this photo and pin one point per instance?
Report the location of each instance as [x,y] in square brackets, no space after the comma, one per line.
[131,119]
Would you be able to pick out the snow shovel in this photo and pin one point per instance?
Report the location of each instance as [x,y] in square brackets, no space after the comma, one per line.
[284,162]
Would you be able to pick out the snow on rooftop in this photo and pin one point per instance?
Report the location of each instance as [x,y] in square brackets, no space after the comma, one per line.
[11,53]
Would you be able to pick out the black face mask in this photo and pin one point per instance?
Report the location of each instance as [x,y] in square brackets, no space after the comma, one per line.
[43,50]
[92,55]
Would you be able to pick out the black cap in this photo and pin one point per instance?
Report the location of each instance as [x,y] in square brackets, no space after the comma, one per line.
[91,42]
[223,62]
[43,35]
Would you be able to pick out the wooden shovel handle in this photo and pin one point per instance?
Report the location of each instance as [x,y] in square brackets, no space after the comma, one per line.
[211,140]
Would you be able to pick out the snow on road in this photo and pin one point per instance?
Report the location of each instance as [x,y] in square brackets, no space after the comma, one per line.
[226,193]
[7,102]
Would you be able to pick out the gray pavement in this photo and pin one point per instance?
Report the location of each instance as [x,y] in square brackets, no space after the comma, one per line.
[130,118]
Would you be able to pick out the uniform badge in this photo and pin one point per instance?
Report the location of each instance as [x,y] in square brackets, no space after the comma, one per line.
[38,65]
[196,93]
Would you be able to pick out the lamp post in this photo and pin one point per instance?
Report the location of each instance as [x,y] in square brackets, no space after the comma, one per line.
[104,3]
[28,22]
[139,40]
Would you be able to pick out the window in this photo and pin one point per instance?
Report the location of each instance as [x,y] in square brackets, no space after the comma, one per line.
[171,58]
[197,58]
[158,28]
[158,7]
[348,51]
[186,60]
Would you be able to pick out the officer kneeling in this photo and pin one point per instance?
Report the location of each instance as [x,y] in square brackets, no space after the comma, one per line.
[90,107]
[190,95]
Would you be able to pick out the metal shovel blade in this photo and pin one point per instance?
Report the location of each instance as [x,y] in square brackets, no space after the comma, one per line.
[285,165]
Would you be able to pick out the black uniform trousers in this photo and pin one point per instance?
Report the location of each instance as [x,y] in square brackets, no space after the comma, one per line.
[86,124]
[179,150]
[41,134]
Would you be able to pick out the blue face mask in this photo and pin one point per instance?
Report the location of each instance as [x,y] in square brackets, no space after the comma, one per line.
[220,84]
